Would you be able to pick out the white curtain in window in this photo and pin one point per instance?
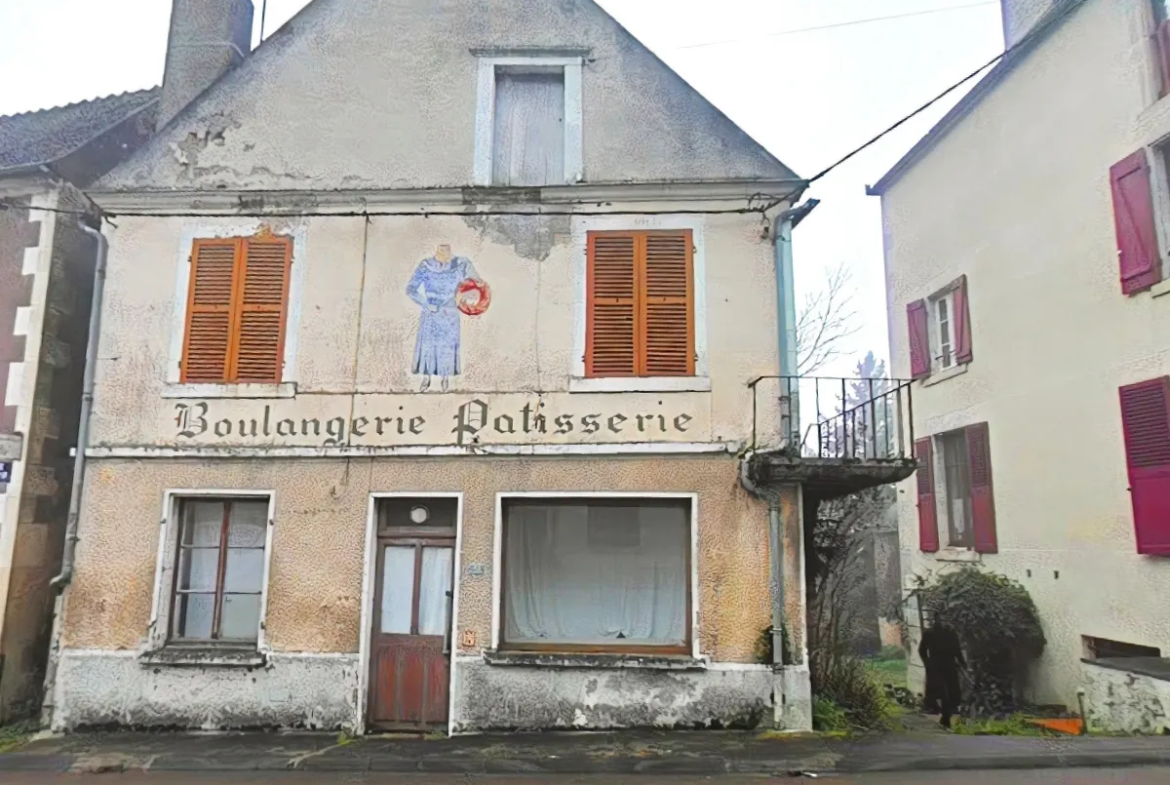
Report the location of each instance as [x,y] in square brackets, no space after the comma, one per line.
[566,586]
[529,141]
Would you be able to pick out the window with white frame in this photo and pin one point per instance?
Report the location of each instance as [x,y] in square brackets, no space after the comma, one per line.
[528,121]
[218,577]
[596,575]
[942,309]
[955,493]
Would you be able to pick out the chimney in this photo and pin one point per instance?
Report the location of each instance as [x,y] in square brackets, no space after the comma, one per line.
[1020,16]
[208,38]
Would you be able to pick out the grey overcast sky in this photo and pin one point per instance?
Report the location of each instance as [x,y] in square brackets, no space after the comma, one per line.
[809,96]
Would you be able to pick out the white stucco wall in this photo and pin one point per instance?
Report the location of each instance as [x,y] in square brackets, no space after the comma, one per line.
[1125,701]
[1017,198]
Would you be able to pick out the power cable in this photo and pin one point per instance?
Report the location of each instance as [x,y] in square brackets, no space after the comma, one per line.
[833,26]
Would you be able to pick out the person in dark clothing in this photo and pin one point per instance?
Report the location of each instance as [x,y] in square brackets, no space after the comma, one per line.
[942,655]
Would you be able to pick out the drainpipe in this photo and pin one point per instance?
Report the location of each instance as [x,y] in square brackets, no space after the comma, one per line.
[95,319]
[790,389]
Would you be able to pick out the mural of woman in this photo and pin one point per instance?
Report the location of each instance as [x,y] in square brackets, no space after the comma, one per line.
[444,286]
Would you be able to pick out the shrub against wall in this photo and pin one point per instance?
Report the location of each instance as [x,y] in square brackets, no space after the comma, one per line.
[1000,630]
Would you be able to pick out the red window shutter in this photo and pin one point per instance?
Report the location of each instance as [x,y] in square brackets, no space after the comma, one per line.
[919,339]
[1133,216]
[962,317]
[611,340]
[982,495]
[207,348]
[1145,419]
[927,510]
[263,303]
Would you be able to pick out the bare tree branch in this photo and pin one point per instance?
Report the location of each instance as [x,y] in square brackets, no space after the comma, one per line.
[826,322]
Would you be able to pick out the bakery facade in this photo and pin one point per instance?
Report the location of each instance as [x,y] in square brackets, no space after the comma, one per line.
[437,427]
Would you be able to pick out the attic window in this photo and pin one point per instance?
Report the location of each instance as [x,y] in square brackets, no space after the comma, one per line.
[528,121]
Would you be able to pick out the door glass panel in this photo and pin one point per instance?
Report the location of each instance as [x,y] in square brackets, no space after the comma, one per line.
[397,589]
[432,590]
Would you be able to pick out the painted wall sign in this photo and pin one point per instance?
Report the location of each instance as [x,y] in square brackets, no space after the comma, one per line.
[468,639]
[469,423]
[476,570]
[445,287]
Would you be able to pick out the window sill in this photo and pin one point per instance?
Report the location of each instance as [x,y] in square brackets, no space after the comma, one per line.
[663,662]
[628,384]
[1151,667]
[285,390]
[1160,288]
[205,657]
[941,376]
[960,555]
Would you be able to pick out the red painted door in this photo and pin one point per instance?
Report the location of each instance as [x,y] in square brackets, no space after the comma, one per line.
[409,662]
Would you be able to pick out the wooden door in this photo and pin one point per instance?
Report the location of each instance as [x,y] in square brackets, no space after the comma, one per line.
[410,651]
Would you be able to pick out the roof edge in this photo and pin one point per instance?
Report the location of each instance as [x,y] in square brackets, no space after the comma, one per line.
[1011,58]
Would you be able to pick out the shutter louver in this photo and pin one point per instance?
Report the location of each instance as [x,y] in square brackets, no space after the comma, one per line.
[260,344]
[1145,418]
[666,305]
[919,330]
[927,510]
[1133,216]
[611,340]
[982,494]
[206,351]
[963,353]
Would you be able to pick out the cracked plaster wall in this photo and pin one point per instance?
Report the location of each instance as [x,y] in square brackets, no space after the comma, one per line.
[512,698]
[1125,702]
[103,689]
[1034,234]
[323,104]
[318,543]
[355,327]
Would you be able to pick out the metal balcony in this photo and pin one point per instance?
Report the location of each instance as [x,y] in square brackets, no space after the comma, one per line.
[859,433]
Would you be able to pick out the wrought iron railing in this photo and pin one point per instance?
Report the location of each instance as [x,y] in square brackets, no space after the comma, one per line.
[824,417]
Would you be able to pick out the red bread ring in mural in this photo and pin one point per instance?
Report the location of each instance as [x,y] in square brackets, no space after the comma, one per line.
[469,306]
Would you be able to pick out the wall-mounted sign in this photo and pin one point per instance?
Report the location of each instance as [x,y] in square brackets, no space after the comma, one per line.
[476,570]
[440,420]
[469,639]
[5,474]
[11,446]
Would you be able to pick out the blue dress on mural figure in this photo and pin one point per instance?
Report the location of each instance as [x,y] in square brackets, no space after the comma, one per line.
[434,286]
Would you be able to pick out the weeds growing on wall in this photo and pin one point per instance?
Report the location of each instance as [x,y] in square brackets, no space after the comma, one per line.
[998,625]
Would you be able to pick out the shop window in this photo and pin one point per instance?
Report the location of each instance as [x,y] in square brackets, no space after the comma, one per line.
[597,576]
[219,570]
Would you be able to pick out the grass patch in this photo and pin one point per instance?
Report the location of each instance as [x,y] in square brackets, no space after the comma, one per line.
[1015,725]
[14,736]
[892,672]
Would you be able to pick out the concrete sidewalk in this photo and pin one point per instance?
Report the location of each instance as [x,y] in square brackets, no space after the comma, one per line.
[634,752]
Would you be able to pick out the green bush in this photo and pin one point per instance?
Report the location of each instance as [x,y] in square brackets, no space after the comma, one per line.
[828,717]
[998,625]
[892,653]
[847,683]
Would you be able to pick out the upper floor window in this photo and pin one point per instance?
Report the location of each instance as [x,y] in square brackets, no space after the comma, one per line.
[1162,39]
[640,298]
[528,121]
[940,330]
[237,304]
[954,473]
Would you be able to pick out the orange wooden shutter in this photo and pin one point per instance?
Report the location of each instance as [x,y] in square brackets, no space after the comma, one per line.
[611,339]
[668,333]
[262,305]
[207,347]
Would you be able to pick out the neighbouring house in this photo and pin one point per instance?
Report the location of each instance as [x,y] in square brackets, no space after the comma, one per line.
[1027,241]
[442,384]
[46,281]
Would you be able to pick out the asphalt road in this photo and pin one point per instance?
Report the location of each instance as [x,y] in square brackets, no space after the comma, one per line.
[1153,776]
